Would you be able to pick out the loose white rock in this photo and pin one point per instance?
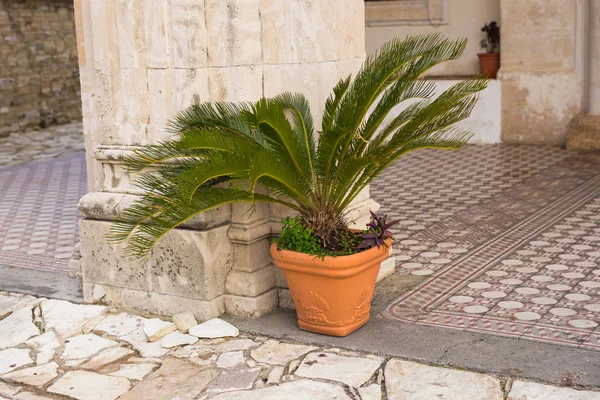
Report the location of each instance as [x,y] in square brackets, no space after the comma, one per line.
[214,328]
[17,328]
[275,353]
[275,375]
[536,391]
[157,328]
[35,376]
[177,338]
[371,392]
[11,359]
[184,321]
[404,378]
[353,371]
[107,356]
[66,318]
[298,390]
[231,359]
[45,345]
[84,346]
[85,385]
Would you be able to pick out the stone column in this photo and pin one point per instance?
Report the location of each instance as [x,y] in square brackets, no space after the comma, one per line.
[584,134]
[543,68]
[141,61]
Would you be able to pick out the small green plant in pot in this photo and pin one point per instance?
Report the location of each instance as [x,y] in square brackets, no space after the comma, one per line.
[489,62]
[224,151]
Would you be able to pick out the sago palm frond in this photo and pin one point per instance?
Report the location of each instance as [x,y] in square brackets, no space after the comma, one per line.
[224,151]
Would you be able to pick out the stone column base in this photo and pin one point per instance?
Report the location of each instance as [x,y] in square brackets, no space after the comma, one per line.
[251,307]
[584,134]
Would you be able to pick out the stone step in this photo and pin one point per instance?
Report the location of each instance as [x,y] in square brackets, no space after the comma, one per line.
[584,134]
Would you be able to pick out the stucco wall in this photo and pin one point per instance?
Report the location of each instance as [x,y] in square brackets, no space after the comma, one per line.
[465,19]
[39,77]
[543,69]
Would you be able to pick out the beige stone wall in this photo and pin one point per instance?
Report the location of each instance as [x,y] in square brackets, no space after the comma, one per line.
[594,58]
[543,69]
[39,78]
[464,19]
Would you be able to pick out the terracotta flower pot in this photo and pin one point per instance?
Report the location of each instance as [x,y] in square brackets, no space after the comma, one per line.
[489,63]
[332,295]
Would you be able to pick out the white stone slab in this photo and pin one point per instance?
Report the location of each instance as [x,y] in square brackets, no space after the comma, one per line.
[31,396]
[404,378]
[107,356]
[273,352]
[84,346]
[214,328]
[184,321]
[275,375]
[45,344]
[135,372]
[130,328]
[11,359]
[156,328]
[353,371]
[177,338]
[17,328]
[371,392]
[85,385]
[231,359]
[536,391]
[119,325]
[66,318]
[9,303]
[8,390]
[35,376]
[297,390]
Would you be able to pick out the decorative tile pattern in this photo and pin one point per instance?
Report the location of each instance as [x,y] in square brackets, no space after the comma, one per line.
[523,263]
[38,212]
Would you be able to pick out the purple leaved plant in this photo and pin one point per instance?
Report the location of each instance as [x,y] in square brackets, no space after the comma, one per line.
[377,232]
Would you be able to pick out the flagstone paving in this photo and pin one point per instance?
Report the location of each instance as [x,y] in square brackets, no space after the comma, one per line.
[93,357]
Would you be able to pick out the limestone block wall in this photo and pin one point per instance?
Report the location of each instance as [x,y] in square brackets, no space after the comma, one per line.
[141,61]
[39,77]
[543,69]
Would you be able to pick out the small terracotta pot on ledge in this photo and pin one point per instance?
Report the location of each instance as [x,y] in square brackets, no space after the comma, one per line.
[332,295]
[489,63]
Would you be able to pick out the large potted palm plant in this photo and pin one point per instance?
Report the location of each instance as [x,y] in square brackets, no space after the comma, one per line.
[224,151]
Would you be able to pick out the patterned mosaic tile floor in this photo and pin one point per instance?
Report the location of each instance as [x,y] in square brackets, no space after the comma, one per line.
[507,239]
[38,212]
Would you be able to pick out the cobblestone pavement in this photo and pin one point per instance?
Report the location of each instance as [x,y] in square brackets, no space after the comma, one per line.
[53,349]
[25,147]
[506,238]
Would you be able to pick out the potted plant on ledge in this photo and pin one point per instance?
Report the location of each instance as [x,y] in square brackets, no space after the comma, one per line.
[224,151]
[489,62]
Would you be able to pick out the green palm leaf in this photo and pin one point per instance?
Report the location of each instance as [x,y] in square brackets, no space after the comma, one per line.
[224,151]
